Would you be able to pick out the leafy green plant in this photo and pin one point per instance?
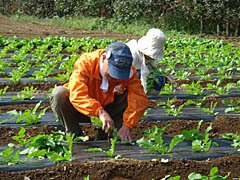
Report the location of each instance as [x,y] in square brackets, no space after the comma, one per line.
[10,158]
[4,90]
[21,137]
[211,109]
[28,116]
[194,88]
[57,147]
[3,66]
[220,90]
[44,71]
[96,121]
[212,175]
[174,111]
[167,89]
[231,106]
[26,93]
[203,145]
[233,137]
[198,103]
[110,152]
[154,143]
[152,78]
[195,134]
[17,74]
[86,178]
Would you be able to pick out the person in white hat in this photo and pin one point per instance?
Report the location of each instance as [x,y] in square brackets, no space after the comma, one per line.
[146,51]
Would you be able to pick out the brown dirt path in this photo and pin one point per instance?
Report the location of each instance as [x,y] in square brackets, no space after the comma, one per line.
[10,27]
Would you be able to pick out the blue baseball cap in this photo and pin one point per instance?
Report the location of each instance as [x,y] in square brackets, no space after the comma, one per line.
[120,60]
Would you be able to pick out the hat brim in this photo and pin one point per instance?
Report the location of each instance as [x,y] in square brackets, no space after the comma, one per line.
[118,73]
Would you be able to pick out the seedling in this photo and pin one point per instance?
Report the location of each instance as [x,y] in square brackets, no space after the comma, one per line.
[3,66]
[154,143]
[194,88]
[21,137]
[212,175]
[110,152]
[211,109]
[28,116]
[233,137]
[27,93]
[167,89]
[57,147]
[152,79]
[203,145]
[17,74]
[198,103]
[174,111]
[231,106]
[4,90]
[10,158]
[195,134]
[45,71]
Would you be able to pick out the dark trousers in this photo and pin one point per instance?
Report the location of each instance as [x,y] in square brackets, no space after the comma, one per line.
[70,117]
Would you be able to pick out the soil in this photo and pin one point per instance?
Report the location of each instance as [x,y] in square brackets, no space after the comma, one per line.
[121,169]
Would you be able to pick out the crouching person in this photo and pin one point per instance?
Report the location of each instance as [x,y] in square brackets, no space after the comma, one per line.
[104,84]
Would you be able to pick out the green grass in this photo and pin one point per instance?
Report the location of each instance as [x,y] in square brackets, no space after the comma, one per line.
[93,23]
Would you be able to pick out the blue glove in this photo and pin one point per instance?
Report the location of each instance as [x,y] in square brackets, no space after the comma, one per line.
[162,81]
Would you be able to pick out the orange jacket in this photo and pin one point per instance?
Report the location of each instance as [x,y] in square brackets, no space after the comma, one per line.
[88,98]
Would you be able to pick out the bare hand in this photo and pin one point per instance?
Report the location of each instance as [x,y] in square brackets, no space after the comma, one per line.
[108,124]
[124,133]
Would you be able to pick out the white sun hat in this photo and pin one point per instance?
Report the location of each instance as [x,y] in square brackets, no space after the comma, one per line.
[152,43]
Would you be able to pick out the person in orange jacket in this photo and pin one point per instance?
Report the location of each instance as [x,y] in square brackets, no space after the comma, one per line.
[103,84]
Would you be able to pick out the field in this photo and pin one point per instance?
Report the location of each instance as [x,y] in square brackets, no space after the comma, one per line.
[202,95]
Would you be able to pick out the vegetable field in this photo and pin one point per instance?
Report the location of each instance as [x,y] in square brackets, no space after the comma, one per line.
[190,130]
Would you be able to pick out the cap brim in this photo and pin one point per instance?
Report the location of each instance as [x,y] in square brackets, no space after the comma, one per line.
[118,73]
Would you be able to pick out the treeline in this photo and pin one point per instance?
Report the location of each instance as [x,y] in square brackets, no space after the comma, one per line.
[197,16]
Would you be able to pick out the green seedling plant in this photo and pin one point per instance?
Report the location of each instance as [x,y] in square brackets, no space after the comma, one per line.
[153,141]
[194,88]
[203,145]
[167,89]
[211,110]
[182,74]
[67,66]
[233,137]
[4,90]
[45,71]
[195,134]
[168,104]
[57,147]
[110,152]
[198,103]
[174,111]
[28,116]
[20,55]
[212,175]
[3,66]
[10,158]
[26,93]
[86,178]
[21,137]
[231,106]
[220,90]
[152,78]
[17,74]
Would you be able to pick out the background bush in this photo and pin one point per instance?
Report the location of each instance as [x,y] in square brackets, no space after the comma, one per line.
[194,16]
